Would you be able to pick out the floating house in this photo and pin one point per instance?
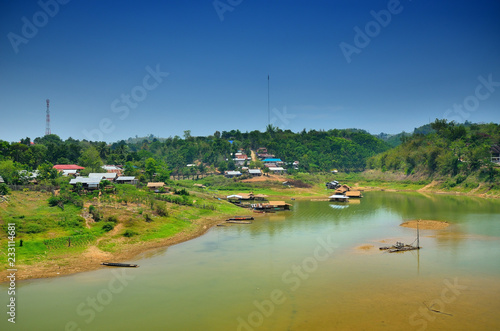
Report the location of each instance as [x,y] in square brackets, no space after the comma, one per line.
[338,198]
[271,206]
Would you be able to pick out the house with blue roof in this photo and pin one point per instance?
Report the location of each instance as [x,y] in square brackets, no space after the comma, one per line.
[270,160]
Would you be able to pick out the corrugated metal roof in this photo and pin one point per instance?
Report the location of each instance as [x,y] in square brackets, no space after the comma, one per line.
[272,160]
[233,173]
[84,180]
[110,175]
[111,167]
[1,180]
[126,178]
[254,171]
[276,168]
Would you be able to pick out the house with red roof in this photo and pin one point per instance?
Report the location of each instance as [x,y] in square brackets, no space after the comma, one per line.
[68,169]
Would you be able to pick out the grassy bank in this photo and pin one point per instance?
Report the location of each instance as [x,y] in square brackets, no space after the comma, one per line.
[113,226]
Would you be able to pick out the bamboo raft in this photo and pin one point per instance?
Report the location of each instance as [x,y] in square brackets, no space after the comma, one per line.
[124,265]
[399,247]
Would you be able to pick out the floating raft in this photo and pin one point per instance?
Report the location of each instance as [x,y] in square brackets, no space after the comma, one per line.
[241,218]
[123,265]
[399,247]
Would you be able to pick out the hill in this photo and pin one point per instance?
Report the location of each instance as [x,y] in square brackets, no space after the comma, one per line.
[454,152]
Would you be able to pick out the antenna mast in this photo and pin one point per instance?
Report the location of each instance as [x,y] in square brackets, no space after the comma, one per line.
[47,121]
[268,112]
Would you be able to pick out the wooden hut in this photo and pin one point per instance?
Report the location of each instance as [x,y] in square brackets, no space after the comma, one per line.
[353,194]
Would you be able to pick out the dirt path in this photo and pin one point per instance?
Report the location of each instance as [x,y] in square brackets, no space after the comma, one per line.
[253,155]
[429,186]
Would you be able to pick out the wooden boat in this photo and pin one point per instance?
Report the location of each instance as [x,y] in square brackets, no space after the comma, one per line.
[124,265]
[239,222]
[241,218]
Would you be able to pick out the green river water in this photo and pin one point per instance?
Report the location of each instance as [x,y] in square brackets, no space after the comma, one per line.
[302,269]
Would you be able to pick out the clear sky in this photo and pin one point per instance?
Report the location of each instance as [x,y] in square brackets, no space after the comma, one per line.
[117,69]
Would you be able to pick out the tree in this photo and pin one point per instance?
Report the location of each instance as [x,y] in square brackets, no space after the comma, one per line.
[130,169]
[9,171]
[151,168]
[46,171]
[91,160]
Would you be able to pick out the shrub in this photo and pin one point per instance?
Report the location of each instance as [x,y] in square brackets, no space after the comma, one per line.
[33,228]
[129,233]
[54,201]
[108,226]
[96,215]
[181,192]
[4,189]
[112,219]
[148,218]
[161,209]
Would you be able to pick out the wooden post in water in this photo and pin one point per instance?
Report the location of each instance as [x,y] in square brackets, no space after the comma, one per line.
[418,236]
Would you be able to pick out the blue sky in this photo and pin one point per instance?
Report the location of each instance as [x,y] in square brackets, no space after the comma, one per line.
[94,60]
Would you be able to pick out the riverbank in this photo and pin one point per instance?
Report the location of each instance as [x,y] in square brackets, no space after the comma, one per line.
[92,257]
[114,247]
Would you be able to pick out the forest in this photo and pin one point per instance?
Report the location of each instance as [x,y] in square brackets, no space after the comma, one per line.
[439,149]
[345,150]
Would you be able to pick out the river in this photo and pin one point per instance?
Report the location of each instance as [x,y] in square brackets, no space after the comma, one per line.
[303,269]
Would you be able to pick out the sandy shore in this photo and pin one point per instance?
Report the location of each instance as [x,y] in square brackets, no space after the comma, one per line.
[425,224]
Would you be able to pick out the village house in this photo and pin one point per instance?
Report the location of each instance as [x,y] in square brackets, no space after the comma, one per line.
[110,176]
[255,172]
[156,186]
[126,180]
[113,169]
[277,170]
[273,160]
[1,180]
[495,154]
[232,174]
[87,182]
[68,169]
